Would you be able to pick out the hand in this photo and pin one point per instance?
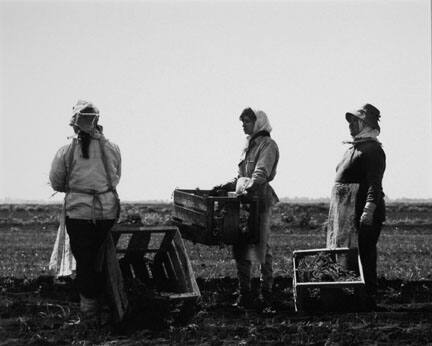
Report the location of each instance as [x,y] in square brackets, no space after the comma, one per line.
[225,187]
[366,218]
[368,212]
[216,190]
[217,187]
[220,190]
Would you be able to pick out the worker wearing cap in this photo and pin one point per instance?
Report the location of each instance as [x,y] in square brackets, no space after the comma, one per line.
[256,169]
[361,170]
[88,171]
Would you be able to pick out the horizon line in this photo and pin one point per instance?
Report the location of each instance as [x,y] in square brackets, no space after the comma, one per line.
[8,200]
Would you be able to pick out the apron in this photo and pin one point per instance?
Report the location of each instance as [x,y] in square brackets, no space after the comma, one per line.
[256,253]
[62,261]
[341,227]
[106,259]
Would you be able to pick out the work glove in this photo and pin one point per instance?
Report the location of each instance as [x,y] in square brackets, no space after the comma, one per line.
[220,190]
[226,187]
[216,190]
[366,217]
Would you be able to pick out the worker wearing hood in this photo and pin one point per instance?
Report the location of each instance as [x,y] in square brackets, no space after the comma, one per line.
[87,171]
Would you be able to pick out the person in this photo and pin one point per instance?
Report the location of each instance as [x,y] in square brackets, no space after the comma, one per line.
[362,167]
[256,169]
[88,171]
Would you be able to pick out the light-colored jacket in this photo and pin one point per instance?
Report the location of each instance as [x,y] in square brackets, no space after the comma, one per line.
[87,178]
[260,165]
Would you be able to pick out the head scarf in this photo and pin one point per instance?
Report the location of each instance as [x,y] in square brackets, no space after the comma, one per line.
[85,121]
[82,104]
[367,132]
[261,124]
[365,135]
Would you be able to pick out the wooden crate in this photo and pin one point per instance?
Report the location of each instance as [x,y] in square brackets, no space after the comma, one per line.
[329,291]
[156,258]
[214,220]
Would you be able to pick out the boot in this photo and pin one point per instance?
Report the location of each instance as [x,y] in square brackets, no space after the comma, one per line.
[267,302]
[267,297]
[245,300]
[89,308]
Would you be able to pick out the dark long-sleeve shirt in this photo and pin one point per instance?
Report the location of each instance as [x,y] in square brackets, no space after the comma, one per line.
[364,163]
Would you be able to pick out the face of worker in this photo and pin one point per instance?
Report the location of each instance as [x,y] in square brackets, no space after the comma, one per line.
[355,126]
[248,125]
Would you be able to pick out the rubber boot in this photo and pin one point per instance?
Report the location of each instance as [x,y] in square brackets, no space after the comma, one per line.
[245,300]
[89,308]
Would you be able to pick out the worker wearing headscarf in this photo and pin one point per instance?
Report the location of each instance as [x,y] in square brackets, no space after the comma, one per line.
[88,171]
[257,168]
[357,209]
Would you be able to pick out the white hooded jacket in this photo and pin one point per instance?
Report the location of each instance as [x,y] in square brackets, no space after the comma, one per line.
[87,175]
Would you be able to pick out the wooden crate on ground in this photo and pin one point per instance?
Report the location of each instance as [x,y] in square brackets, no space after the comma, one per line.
[320,288]
[155,257]
[215,220]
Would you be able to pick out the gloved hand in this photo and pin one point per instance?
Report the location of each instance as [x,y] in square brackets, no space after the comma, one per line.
[216,190]
[368,212]
[220,190]
[217,187]
[227,186]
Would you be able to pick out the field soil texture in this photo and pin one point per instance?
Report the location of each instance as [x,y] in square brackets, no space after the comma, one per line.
[38,309]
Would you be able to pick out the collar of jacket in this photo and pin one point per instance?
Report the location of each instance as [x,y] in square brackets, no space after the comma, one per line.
[95,135]
[362,140]
[251,142]
[256,135]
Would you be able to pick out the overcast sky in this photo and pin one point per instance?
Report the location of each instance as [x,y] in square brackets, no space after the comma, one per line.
[171,78]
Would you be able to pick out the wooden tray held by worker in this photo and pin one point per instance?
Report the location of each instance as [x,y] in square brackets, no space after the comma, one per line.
[215,220]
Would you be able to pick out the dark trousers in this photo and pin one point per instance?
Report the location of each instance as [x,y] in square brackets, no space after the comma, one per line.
[86,239]
[368,239]
[244,267]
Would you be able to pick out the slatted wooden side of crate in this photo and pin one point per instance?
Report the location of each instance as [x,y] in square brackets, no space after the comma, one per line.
[193,208]
[300,289]
[165,269]
[197,216]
